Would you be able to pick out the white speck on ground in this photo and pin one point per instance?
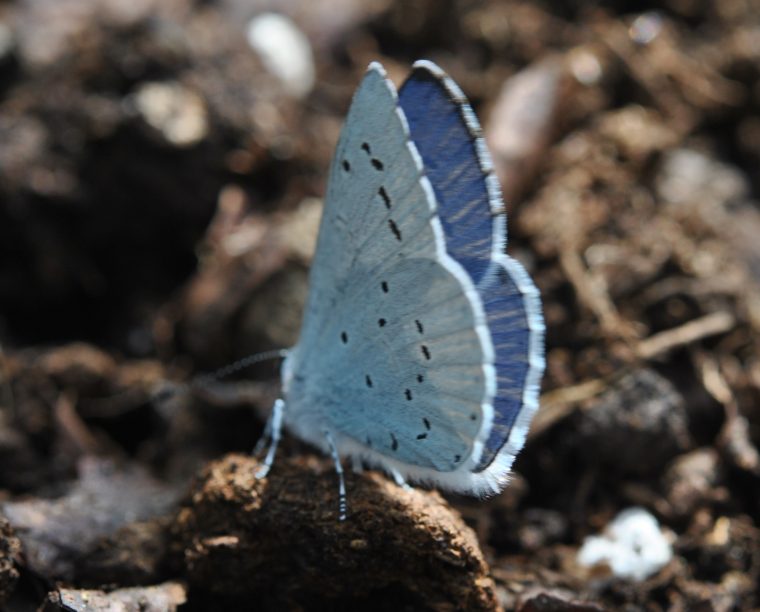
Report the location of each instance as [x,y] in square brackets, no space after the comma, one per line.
[633,545]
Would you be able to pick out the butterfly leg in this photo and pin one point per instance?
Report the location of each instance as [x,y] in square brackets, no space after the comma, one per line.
[399,479]
[342,505]
[272,431]
[264,438]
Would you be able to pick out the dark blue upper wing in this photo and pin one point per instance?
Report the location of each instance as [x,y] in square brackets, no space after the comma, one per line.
[448,137]
[449,140]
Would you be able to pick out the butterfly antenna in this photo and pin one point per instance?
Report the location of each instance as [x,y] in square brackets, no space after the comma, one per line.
[167,391]
[205,379]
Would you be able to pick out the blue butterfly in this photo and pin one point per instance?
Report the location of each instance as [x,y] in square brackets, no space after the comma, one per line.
[421,350]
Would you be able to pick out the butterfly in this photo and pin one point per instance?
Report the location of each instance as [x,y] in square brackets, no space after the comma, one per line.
[421,348]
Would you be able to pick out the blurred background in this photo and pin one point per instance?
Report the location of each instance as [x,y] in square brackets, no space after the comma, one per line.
[162,164]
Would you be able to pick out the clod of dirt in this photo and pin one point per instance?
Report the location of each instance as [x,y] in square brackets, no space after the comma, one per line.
[58,533]
[133,555]
[636,425]
[279,542]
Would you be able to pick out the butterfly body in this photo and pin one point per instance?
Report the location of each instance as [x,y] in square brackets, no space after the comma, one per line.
[421,346]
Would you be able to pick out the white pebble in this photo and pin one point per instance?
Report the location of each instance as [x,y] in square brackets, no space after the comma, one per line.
[633,546]
[646,27]
[175,111]
[688,177]
[285,51]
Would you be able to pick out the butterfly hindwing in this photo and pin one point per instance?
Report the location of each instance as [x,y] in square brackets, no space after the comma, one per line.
[411,374]
[450,142]
[513,310]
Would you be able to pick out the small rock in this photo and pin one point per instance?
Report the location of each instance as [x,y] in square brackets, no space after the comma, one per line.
[178,113]
[522,122]
[165,597]
[637,133]
[285,51]
[637,424]
[633,546]
[646,27]
[692,179]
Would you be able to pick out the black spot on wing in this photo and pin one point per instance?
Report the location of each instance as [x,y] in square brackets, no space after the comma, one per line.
[376,163]
[386,198]
[394,228]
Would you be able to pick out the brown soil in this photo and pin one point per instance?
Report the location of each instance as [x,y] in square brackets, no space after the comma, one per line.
[134,256]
